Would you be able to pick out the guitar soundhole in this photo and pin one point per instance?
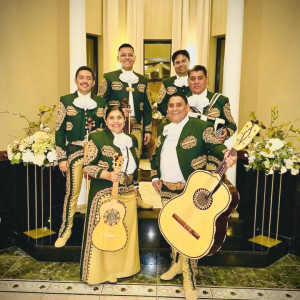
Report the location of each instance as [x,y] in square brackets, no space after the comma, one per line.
[202,199]
[111,217]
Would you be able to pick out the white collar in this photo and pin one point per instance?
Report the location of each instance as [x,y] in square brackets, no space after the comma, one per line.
[175,128]
[85,101]
[128,76]
[122,140]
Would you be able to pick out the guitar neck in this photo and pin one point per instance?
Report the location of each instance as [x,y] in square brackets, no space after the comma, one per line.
[223,167]
[114,191]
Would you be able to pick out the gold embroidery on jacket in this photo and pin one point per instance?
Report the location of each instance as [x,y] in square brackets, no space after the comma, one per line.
[199,162]
[171,90]
[141,87]
[161,94]
[100,112]
[61,114]
[209,136]
[114,103]
[116,85]
[213,112]
[71,111]
[227,113]
[91,152]
[61,154]
[189,142]
[69,126]
[103,164]
[91,170]
[102,88]
[142,106]
[212,158]
[158,141]
[108,151]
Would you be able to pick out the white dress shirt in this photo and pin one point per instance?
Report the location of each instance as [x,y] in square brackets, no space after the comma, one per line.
[169,164]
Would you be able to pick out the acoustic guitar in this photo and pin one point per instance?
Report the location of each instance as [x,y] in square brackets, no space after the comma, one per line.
[195,221]
[110,233]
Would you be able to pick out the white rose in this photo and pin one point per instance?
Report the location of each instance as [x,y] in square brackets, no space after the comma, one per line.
[51,156]
[251,159]
[266,154]
[271,172]
[283,170]
[39,159]
[288,163]
[294,171]
[275,144]
[28,157]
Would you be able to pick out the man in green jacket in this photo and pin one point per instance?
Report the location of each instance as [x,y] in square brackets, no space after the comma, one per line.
[182,146]
[130,90]
[177,83]
[213,107]
[77,115]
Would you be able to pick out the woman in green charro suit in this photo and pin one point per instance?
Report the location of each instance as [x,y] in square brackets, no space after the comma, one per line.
[98,265]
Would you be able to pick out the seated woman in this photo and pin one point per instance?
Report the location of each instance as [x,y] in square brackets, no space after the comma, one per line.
[96,265]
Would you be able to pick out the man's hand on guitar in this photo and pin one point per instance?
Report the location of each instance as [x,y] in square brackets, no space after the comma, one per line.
[230,160]
[63,166]
[222,137]
[147,138]
[114,176]
[157,186]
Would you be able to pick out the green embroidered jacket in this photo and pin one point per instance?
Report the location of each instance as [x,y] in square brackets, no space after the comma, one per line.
[71,123]
[113,90]
[167,89]
[196,142]
[99,154]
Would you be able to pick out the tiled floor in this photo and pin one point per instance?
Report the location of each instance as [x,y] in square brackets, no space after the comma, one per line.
[22,277]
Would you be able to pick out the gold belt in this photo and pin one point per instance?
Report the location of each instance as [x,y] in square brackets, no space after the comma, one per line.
[79,143]
[174,186]
[126,179]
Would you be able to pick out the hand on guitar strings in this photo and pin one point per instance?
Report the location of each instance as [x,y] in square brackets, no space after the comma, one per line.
[157,186]
[63,166]
[230,159]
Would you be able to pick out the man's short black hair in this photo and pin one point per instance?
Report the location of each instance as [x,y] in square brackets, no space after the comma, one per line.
[86,69]
[196,69]
[181,95]
[126,46]
[178,52]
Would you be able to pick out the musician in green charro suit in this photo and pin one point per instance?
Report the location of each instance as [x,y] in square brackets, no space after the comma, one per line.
[73,112]
[182,146]
[130,90]
[101,265]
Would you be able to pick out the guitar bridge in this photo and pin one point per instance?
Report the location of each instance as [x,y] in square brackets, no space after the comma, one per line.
[186,226]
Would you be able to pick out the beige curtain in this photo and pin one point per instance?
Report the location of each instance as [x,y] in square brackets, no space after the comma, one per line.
[191,29]
[110,34]
[135,31]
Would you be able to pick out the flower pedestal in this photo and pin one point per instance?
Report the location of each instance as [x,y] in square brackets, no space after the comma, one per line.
[270,209]
[38,216]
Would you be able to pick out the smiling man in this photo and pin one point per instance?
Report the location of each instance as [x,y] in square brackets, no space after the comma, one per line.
[128,89]
[182,146]
[177,83]
[74,111]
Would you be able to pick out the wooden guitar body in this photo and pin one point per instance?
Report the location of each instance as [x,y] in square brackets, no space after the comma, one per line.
[195,222]
[190,221]
[110,233]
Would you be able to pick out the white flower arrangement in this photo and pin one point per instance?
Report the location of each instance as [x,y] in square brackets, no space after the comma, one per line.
[38,147]
[271,152]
